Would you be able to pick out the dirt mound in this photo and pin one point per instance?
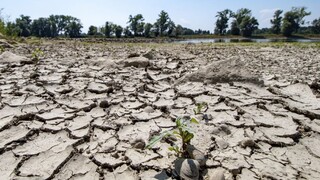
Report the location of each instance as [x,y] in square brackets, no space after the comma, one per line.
[103,62]
[4,43]
[9,57]
[139,62]
[222,72]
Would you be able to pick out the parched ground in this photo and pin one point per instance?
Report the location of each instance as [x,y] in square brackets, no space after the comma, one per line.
[86,110]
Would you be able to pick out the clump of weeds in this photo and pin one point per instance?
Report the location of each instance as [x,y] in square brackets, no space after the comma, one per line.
[181,131]
[36,55]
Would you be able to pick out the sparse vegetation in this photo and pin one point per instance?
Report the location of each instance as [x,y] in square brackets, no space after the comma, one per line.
[182,131]
[36,55]
[200,107]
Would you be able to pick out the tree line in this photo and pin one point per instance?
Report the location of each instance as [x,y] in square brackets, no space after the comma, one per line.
[61,25]
[163,26]
[53,26]
[242,23]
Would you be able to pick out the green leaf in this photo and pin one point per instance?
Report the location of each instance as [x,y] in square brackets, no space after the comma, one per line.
[188,137]
[199,107]
[178,122]
[175,149]
[195,111]
[156,139]
[187,129]
[194,120]
[177,134]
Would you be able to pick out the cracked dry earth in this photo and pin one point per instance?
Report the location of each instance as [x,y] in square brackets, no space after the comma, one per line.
[86,111]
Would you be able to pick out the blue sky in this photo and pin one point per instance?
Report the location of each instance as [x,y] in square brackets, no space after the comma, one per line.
[189,13]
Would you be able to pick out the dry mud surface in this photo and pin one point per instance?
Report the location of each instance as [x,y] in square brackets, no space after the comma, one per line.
[86,111]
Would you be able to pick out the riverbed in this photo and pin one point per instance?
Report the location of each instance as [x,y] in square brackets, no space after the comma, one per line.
[87,110]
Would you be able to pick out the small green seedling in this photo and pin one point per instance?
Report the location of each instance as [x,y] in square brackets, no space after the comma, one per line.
[199,107]
[182,131]
[36,54]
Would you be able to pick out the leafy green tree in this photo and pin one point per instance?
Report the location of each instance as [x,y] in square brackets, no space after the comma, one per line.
[276,22]
[171,28]
[101,30]
[74,28]
[243,23]
[24,24]
[93,30]
[136,24]
[179,30]
[2,27]
[238,17]
[234,30]
[11,29]
[147,29]
[62,23]
[222,21]
[316,26]
[117,30]
[162,23]
[293,19]
[200,31]
[47,30]
[36,29]
[248,25]
[42,28]
[127,32]
[2,23]
[53,25]
[241,14]
[155,30]
[263,31]
[108,29]
[188,31]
